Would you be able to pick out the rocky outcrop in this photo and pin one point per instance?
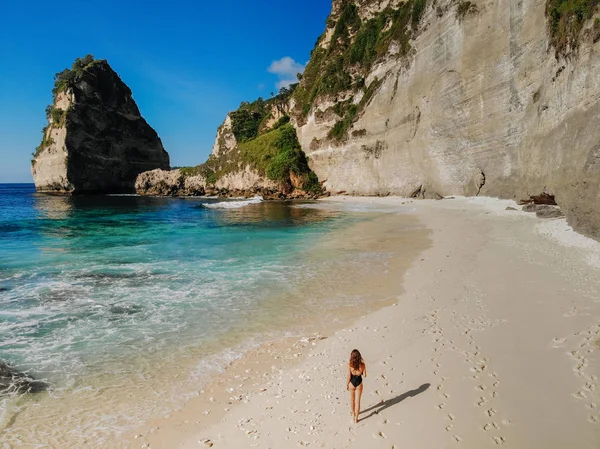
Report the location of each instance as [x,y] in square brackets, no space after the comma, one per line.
[544,210]
[225,140]
[428,99]
[14,382]
[96,140]
[245,178]
[169,183]
[239,183]
[256,152]
[463,98]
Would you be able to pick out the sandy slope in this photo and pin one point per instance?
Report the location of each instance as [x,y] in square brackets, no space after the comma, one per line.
[494,341]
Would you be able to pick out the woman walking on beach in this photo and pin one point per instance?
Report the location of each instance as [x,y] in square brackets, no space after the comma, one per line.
[356,370]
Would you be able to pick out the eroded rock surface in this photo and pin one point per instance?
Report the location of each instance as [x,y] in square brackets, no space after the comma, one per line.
[481,92]
[169,183]
[96,140]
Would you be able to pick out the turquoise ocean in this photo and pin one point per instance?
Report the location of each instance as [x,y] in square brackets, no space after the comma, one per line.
[109,297]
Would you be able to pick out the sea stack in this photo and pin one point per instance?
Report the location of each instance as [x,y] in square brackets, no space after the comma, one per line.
[96,140]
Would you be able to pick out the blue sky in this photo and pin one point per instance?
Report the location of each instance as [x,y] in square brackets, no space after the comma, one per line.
[187,62]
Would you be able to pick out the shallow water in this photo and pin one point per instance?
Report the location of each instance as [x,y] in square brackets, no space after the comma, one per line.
[125,304]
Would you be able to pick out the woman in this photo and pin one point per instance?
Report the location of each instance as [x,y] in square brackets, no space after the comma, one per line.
[356,370]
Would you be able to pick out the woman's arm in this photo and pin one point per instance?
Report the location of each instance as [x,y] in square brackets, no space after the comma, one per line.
[364,369]
[348,379]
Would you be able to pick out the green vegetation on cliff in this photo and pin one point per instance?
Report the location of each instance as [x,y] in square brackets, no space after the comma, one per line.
[63,80]
[271,149]
[249,119]
[566,19]
[341,66]
[68,77]
[276,154]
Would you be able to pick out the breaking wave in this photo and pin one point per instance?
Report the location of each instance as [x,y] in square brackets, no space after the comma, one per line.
[234,204]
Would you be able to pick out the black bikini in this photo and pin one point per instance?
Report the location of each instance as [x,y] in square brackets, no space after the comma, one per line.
[355,379]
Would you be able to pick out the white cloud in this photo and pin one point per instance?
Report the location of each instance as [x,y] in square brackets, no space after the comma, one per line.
[286,66]
[286,69]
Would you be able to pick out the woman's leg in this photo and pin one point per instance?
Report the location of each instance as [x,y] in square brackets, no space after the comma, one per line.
[358,394]
[352,396]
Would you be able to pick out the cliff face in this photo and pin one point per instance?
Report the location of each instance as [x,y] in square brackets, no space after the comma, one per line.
[96,140]
[454,97]
[256,151]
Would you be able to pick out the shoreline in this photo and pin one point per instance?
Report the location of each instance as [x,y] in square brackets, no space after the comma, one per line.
[317,296]
[242,378]
[500,310]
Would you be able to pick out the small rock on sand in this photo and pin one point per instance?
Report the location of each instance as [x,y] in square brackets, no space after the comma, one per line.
[552,212]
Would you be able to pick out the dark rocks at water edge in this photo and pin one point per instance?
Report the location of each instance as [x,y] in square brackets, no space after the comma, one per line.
[13,381]
[543,210]
[96,140]
[178,183]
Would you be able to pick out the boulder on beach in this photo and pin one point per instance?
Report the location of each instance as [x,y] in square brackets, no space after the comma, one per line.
[13,381]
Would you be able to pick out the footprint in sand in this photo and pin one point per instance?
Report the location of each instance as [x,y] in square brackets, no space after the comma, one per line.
[594,419]
[441,406]
[490,426]
[499,440]
[579,395]
[379,435]
[558,342]
[449,427]
[491,412]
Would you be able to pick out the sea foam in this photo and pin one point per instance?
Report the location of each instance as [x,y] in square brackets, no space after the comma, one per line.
[234,204]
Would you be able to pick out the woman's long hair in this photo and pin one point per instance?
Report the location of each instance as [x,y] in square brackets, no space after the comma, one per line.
[355,359]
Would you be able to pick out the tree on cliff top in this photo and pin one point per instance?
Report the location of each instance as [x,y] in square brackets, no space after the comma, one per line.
[247,119]
[68,77]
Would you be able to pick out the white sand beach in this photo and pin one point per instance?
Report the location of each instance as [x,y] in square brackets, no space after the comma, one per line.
[493,340]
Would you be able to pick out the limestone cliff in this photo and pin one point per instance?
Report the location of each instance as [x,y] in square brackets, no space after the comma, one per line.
[256,151]
[457,97]
[96,141]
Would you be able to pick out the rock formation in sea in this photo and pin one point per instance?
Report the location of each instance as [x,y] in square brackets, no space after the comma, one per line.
[96,141]
[429,98]
[256,152]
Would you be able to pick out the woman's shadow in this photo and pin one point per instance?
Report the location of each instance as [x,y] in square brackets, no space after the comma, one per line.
[387,404]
